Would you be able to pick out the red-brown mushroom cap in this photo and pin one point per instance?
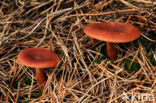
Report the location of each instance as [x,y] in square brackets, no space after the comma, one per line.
[38,58]
[115,32]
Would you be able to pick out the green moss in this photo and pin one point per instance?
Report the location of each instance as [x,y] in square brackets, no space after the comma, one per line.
[152,59]
[98,61]
[28,101]
[28,81]
[132,66]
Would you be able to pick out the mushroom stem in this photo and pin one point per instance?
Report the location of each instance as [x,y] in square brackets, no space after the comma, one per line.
[40,76]
[111,51]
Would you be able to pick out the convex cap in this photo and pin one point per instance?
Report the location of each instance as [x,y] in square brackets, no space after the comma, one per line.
[38,58]
[115,32]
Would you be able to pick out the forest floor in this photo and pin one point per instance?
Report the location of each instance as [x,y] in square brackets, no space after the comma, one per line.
[84,74]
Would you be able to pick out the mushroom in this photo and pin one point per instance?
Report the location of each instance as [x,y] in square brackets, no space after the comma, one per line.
[38,58]
[112,32]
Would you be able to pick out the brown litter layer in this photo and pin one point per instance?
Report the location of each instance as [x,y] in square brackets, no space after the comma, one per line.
[57,25]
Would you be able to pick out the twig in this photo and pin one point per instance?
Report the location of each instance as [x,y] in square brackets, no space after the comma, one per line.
[147,38]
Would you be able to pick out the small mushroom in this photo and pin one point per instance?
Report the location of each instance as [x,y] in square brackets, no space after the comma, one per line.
[38,58]
[112,32]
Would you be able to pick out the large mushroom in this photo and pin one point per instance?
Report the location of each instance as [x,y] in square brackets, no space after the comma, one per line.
[38,58]
[112,32]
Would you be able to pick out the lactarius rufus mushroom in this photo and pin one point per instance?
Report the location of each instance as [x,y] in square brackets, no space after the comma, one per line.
[38,58]
[112,32]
